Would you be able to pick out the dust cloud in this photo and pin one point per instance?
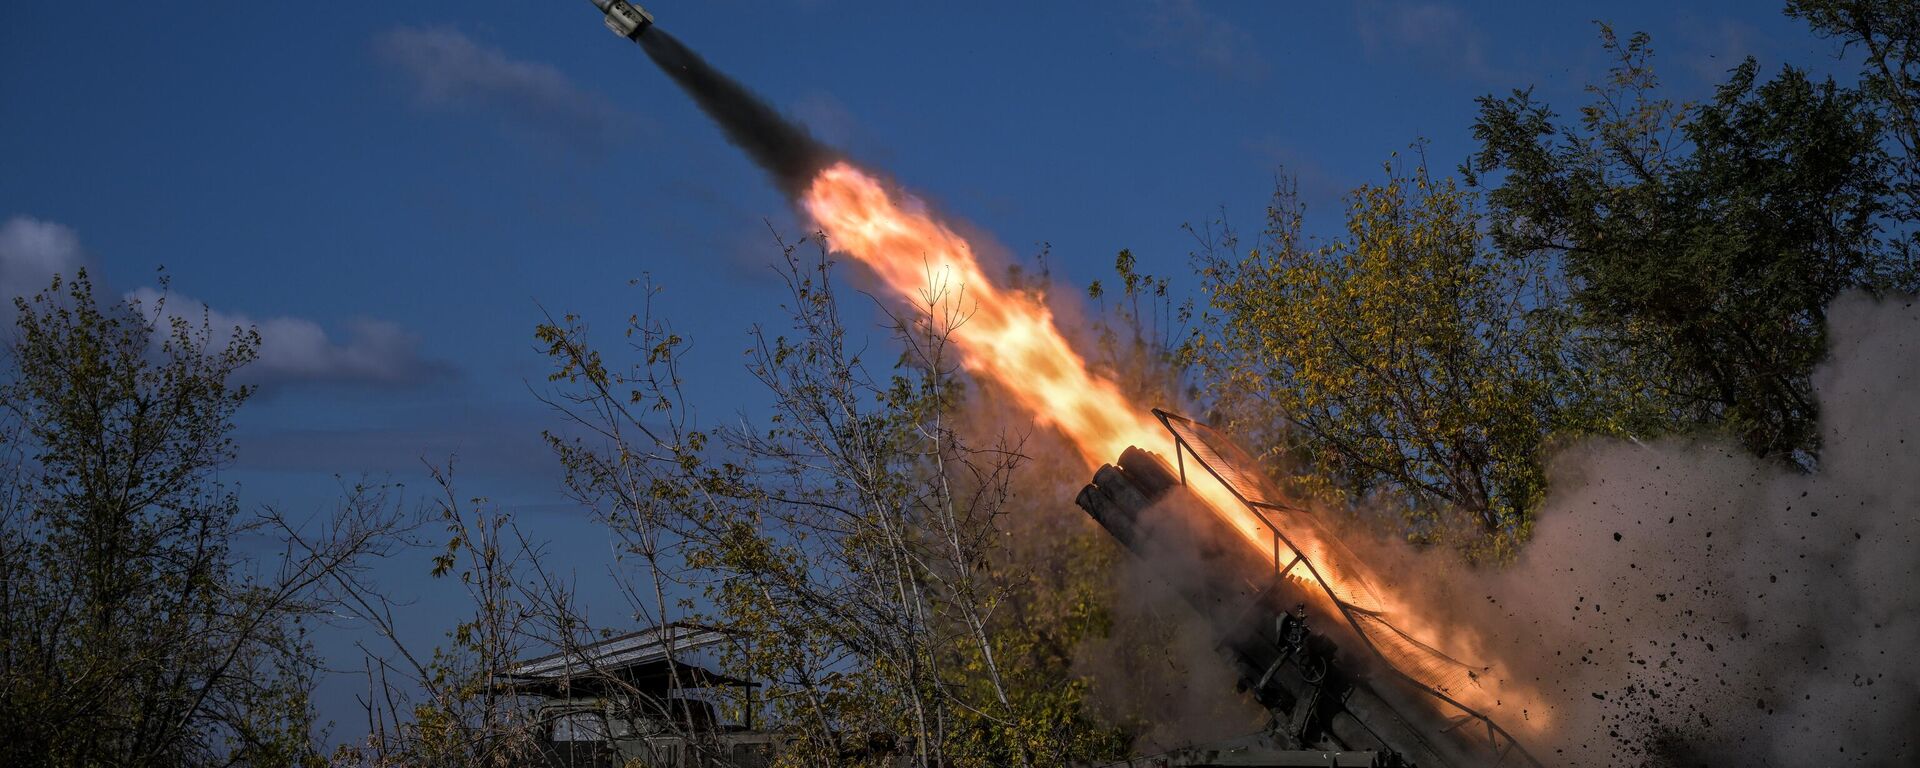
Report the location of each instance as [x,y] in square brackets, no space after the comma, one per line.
[1683,603]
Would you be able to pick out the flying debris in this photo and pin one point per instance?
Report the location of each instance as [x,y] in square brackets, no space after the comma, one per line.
[625,19]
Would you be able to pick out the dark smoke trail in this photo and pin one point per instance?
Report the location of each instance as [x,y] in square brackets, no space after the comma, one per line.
[781,147]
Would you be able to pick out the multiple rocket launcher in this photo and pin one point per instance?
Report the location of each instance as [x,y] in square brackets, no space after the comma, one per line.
[1286,638]
[1324,680]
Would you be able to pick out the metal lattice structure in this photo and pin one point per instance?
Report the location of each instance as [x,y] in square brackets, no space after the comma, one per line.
[1225,460]
[1310,553]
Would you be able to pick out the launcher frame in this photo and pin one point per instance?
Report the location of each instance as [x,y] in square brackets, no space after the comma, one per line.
[1250,489]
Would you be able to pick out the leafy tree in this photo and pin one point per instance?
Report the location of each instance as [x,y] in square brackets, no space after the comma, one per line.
[127,636]
[134,628]
[1408,365]
[857,539]
[1702,243]
[1887,32]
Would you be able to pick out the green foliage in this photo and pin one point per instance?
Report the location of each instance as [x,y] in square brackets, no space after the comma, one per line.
[127,637]
[1703,243]
[1136,336]
[1405,365]
[1887,35]
[461,718]
[857,539]
[1648,268]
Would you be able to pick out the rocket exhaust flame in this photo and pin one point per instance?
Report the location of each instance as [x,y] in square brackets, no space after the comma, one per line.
[1012,340]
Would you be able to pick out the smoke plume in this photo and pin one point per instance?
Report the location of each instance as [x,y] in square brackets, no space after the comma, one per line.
[1158,669]
[1684,603]
[781,147]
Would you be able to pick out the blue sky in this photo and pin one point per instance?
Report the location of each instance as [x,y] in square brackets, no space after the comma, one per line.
[395,191]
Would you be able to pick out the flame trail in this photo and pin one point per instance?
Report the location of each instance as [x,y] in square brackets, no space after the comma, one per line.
[1009,339]
[1012,340]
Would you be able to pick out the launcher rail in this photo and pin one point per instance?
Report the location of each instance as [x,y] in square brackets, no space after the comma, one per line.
[1322,693]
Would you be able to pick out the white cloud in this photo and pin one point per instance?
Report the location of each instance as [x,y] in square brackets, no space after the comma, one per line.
[294,349]
[31,253]
[448,70]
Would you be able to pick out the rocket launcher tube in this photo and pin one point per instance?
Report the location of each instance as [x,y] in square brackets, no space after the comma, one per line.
[1327,692]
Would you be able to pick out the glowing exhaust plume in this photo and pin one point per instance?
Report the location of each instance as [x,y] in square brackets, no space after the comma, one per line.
[1009,339]
[1012,340]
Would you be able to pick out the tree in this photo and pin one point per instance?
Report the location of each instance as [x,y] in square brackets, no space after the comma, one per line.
[1702,243]
[1888,34]
[1408,365]
[448,707]
[1136,340]
[854,539]
[132,630]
